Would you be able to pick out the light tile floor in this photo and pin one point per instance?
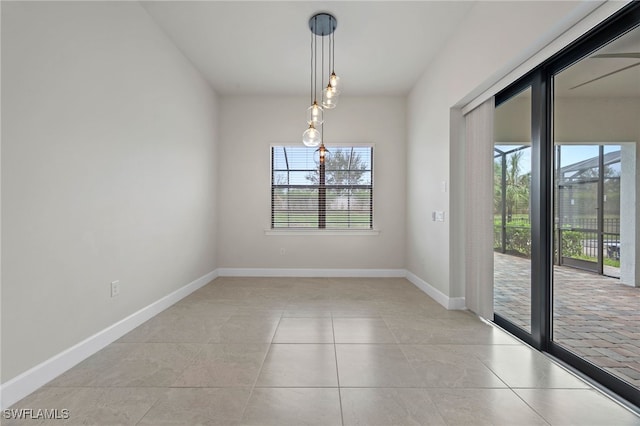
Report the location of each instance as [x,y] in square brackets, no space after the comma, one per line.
[302,351]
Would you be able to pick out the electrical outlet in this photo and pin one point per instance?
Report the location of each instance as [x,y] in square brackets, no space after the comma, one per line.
[115,288]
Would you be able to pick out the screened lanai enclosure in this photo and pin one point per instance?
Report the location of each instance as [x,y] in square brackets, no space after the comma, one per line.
[588,207]
[587,199]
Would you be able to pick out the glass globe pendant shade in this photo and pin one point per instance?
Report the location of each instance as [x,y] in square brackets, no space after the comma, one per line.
[329,98]
[315,115]
[334,81]
[311,137]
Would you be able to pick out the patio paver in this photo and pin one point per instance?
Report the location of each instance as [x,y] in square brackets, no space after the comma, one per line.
[594,316]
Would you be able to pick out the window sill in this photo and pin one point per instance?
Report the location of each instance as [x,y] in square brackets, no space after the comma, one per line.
[334,232]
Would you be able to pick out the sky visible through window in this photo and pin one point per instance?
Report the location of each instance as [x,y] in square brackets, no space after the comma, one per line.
[571,154]
[300,160]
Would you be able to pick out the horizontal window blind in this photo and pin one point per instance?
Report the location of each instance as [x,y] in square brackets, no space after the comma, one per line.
[306,194]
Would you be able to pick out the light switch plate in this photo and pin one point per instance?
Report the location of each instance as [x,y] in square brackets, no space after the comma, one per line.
[115,288]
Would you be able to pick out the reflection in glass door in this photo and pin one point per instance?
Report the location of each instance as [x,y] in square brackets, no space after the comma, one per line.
[596,293]
[512,207]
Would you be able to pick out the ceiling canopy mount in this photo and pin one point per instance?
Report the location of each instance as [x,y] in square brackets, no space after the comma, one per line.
[322,24]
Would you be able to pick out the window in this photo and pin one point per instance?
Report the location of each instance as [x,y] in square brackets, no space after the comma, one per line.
[335,195]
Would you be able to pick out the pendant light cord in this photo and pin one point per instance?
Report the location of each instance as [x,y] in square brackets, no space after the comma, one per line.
[322,92]
[333,51]
[311,74]
[322,67]
[331,45]
[315,55]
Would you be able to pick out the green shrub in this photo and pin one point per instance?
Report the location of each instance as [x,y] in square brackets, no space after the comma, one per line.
[519,241]
[571,244]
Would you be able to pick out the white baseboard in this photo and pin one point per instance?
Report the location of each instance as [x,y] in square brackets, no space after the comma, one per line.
[29,381]
[457,303]
[32,379]
[286,272]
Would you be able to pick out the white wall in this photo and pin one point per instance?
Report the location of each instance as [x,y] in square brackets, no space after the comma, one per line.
[249,125]
[579,119]
[512,120]
[108,172]
[491,40]
[610,120]
[597,120]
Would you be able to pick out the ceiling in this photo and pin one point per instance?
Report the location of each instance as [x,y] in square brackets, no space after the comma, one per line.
[382,47]
[596,76]
[263,47]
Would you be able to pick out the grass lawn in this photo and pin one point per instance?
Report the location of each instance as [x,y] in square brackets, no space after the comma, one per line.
[334,220]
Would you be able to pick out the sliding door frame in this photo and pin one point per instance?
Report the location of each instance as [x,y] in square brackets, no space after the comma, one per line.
[542,192]
[531,338]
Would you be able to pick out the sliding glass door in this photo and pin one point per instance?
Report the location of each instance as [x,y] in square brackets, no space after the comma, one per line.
[511,210]
[566,199]
[596,293]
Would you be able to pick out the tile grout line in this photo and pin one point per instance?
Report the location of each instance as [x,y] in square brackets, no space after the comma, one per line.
[335,353]
[253,387]
[150,407]
[390,331]
[528,405]
[170,386]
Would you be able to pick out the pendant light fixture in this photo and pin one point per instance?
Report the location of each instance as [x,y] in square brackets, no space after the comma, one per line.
[323,25]
[332,91]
